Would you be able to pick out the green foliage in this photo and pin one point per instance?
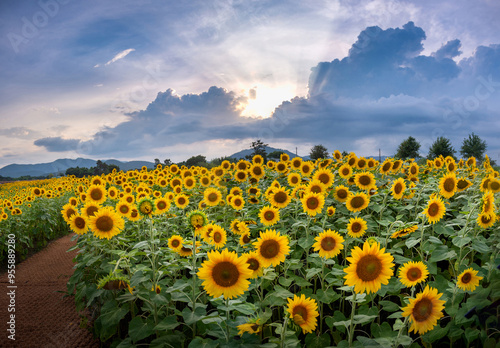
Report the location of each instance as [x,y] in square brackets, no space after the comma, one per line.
[318,151]
[473,146]
[259,148]
[442,146]
[408,149]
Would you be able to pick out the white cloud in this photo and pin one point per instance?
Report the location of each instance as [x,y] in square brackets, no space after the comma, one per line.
[120,55]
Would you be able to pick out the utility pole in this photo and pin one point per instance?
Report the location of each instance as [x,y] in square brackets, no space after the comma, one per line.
[296,154]
[379,156]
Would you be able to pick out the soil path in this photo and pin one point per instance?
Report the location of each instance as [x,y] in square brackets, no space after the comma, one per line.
[43,318]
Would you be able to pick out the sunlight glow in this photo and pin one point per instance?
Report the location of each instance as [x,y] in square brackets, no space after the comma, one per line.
[262,99]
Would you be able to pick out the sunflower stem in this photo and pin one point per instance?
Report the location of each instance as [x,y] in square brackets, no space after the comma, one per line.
[351,324]
[194,280]
[400,331]
[283,329]
[227,319]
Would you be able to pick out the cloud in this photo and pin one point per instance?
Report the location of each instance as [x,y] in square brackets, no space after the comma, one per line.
[118,56]
[383,91]
[19,132]
[58,144]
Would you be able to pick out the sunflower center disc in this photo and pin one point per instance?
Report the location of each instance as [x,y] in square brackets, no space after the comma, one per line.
[253,264]
[369,268]
[123,209]
[217,237]
[70,212]
[364,180]
[225,274]
[80,222]
[300,310]
[422,310]
[175,243]
[324,178]
[104,223]
[433,209]
[269,249]
[328,243]
[466,278]
[269,215]
[96,194]
[356,227]
[280,197]
[312,203]
[414,274]
[246,239]
[449,185]
[357,202]
[181,200]
[342,194]
[398,188]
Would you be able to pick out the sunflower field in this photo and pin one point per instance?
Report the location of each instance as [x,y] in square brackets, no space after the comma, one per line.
[344,252]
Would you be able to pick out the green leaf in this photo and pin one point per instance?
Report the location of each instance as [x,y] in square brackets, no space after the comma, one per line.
[168,340]
[362,319]
[169,323]
[311,272]
[327,296]
[281,292]
[191,317]
[435,334]
[461,241]
[480,246]
[411,242]
[318,341]
[203,343]
[139,328]
[389,306]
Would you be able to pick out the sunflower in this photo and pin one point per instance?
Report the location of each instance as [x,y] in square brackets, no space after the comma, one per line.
[218,237]
[181,201]
[494,185]
[357,202]
[325,176]
[245,238]
[123,208]
[254,264]
[304,312]
[251,327]
[186,252]
[279,198]
[224,273]
[197,219]
[269,215]
[212,196]
[316,186]
[161,205]
[424,310]
[96,193]
[345,171]
[385,167]
[257,171]
[238,226]
[488,203]
[106,223]
[341,193]
[463,184]
[113,192]
[175,243]
[405,231]
[306,168]
[412,273]
[206,232]
[337,155]
[73,201]
[448,185]
[313,203]
[484,186]
[413,170]
[237,203]
[468,280]
[398,188]
[294,179]
[330,211]
[356,227]
[435,210]
[365,181]
[78,224]
[67,211]
[486,220]
[272,248]
[146,207]
[328,244]
[369,268]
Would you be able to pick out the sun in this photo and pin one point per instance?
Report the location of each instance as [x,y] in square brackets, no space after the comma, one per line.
[263,99]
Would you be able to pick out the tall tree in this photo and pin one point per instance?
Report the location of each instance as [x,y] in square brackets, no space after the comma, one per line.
[167,162]
[318,151]
[442,146]
[408,148]
[259,148]
[473,146]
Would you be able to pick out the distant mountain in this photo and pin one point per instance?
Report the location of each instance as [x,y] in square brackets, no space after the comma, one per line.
[243,153]
[59,167]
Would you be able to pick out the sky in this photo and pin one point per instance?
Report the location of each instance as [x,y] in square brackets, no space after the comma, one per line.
[139,80]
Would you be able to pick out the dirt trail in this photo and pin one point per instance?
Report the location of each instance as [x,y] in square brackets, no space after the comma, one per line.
[43,318]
